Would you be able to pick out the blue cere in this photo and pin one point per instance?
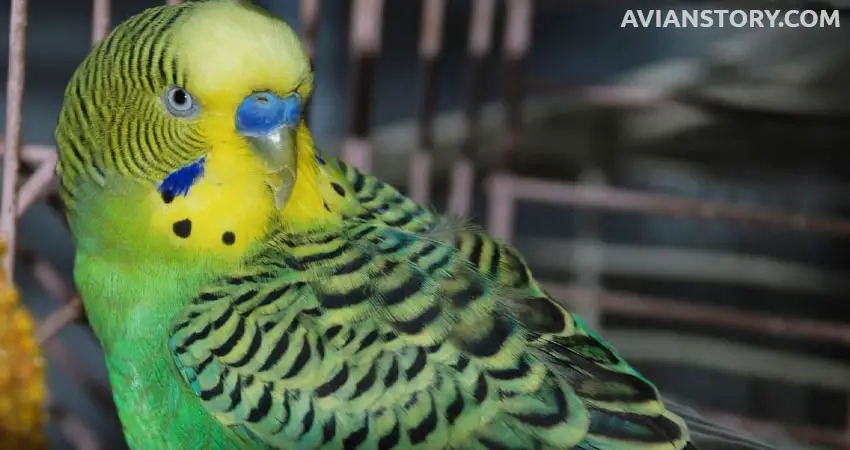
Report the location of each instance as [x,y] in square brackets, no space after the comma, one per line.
[262,112]
[179,181]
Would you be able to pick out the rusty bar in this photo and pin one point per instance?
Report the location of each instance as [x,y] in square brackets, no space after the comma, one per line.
[628,200]
[101,18]
[14,112]
[365,48]
[634,305]
[430,46]
[309,12]
[479,45]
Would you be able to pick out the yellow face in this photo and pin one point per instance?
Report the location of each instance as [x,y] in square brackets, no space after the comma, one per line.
[163,115]
[229,53]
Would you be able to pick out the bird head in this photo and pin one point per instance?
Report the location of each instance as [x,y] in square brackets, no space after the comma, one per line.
[180,132]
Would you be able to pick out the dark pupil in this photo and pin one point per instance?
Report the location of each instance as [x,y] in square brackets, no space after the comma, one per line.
[179,96]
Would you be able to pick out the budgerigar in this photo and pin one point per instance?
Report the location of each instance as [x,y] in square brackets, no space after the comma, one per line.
[251,292]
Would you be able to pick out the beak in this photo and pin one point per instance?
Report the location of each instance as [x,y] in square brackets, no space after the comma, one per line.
[269,124]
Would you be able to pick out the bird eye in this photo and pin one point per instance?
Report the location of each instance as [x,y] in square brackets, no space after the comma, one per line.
[179,102]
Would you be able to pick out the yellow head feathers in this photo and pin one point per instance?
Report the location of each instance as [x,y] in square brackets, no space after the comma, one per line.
[177,129]
[231,49]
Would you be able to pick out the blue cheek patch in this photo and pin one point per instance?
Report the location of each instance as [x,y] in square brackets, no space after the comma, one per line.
[181,180]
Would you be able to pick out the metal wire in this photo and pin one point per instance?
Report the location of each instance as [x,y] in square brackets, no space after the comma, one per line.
[430,46]
[479,45]
[12,148]
[365,46]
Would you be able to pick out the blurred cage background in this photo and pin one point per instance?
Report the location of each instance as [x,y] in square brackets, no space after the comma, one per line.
[686,190]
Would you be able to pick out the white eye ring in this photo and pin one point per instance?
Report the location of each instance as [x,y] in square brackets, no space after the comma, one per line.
[179,102]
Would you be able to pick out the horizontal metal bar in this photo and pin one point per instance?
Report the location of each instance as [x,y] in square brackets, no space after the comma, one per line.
[682,349]
[628,200]
[655,262]
[633,305]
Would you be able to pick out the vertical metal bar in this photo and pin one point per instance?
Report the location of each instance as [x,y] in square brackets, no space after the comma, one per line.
[588,257]
[599,164]
[310,21]
[501,211]
[479,44]
[517,39]
[101,17]
[430,45]
[14,111]
[365,40]
[516,42]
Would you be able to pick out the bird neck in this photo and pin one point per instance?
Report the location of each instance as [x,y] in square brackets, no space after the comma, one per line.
[133,303]
[321,195]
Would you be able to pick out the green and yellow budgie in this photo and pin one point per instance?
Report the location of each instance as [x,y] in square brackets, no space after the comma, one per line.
[250,292]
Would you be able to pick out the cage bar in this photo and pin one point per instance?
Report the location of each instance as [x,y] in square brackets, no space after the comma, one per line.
[101,19]
[517,38]
[309,13]
[675,310]
[12,148]
[630,200]
[430,46]
[479,45]
[365,47]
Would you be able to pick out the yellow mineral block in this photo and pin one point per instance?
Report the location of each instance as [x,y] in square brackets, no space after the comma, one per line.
[22,374]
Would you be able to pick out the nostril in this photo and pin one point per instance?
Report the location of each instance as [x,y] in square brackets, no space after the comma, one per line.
[263,98]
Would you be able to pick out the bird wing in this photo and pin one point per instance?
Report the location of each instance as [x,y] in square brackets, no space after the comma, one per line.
[403,329]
